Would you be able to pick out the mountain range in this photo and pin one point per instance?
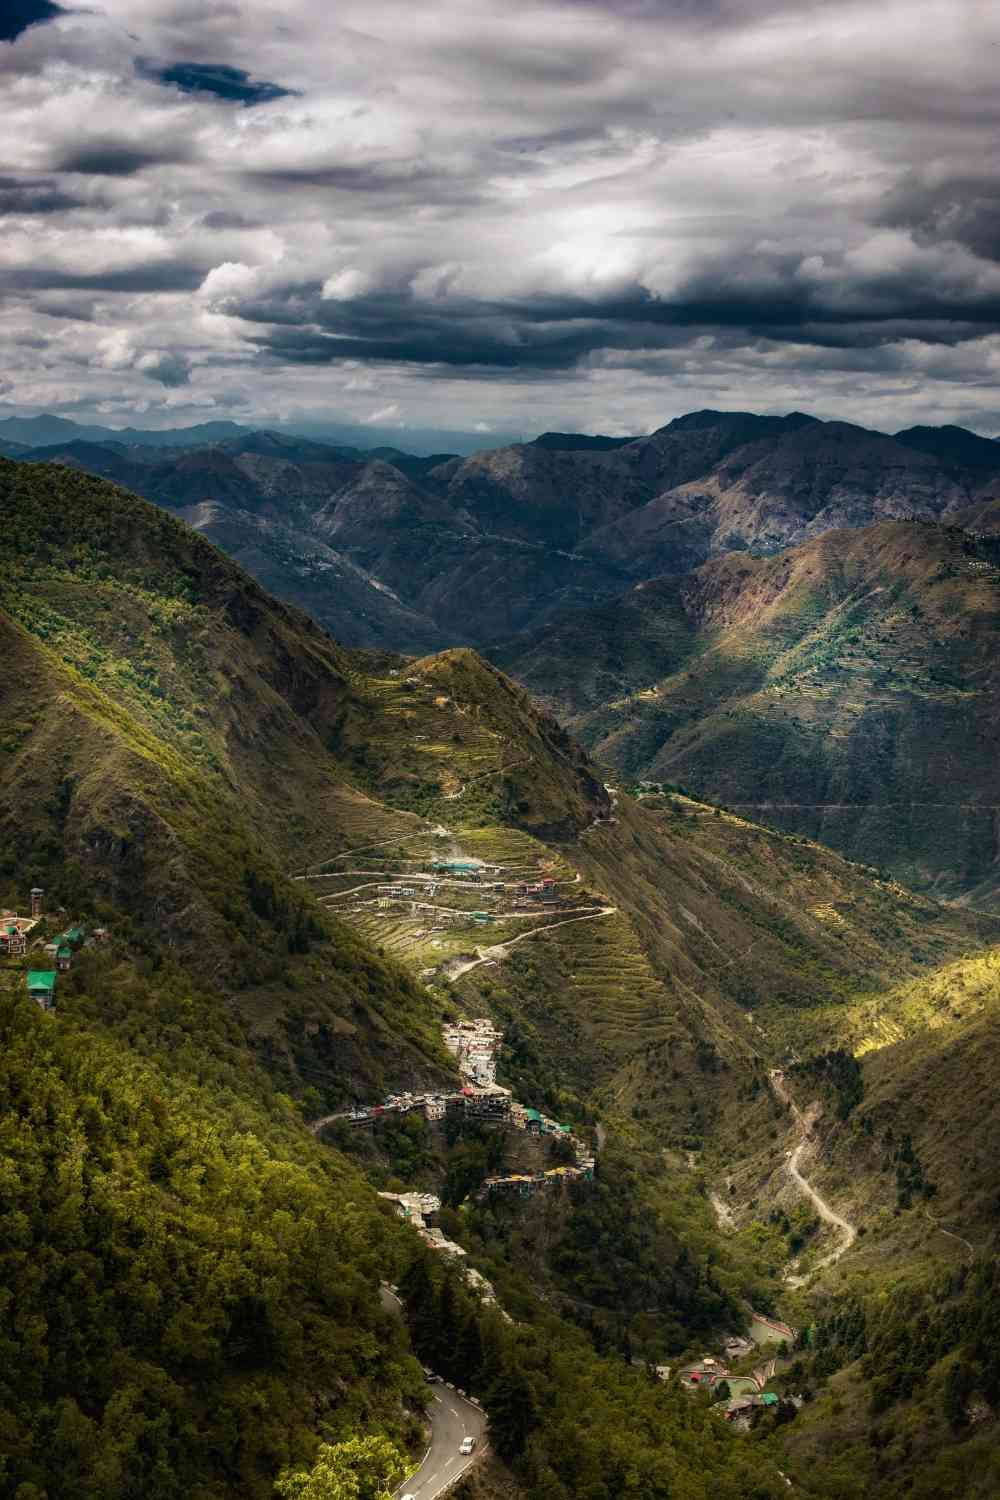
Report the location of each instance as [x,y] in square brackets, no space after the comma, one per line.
[645,589]
[408,553]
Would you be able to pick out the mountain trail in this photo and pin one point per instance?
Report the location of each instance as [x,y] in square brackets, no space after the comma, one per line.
[826,1213]
[951,1235]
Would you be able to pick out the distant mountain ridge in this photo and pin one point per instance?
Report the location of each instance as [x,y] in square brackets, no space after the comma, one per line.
[413,553]
[36,432]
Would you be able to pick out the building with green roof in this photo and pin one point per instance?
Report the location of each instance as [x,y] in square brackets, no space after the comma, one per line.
[41,984]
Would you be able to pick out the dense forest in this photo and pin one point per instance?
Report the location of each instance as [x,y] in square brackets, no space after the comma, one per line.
[190,1286]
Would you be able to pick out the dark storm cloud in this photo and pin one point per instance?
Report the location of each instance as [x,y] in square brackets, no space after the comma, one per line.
[397,183]
[232,84]
[441,342]
[115,157]
[17,15]
[226,218]
[71,310]
[35,196]
[164,276]
[755,296]
[966,209]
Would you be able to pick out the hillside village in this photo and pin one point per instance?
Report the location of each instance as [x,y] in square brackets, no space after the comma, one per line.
[26,938]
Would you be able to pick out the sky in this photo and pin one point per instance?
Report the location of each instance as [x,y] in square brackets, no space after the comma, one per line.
[478,219]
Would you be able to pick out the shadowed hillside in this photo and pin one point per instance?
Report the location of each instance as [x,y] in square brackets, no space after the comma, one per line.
[388,550]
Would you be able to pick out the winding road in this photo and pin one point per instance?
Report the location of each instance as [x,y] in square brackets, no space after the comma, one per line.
[828,1214]
[499,950]
[452,1418]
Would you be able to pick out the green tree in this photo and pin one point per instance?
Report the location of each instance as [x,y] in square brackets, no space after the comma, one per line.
[363,1468]
[469,1353]
[512,1409]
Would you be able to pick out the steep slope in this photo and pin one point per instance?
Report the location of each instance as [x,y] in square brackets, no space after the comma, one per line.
[164,750]
[297,565]
[847,689]
[903,1348]
[254,496]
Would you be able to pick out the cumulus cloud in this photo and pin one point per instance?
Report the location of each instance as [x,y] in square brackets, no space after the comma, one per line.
[550,213]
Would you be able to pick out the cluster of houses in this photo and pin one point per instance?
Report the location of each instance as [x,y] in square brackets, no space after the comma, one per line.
[419,1209]
[58,953]
[746,1392]
[418,891]
[474,1045]
[525,1185]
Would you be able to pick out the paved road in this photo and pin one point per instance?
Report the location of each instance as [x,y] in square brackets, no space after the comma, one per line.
[452,1418]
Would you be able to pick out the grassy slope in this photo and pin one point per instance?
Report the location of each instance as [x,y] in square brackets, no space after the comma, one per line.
[846,689]
[914,1166]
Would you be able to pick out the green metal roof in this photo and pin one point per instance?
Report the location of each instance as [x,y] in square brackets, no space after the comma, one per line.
[532,1114]
[769,1398]
[73,934]
[42,979]
[64,951]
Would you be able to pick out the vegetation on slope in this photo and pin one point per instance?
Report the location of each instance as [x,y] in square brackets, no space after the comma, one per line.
[190,1283]
[846,689]
[168,723]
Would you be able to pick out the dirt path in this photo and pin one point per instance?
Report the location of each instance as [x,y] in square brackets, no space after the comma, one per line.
[826,1213]
[499,950]
[482,776]
[961,1239]
[317,1125]
[725,1217]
